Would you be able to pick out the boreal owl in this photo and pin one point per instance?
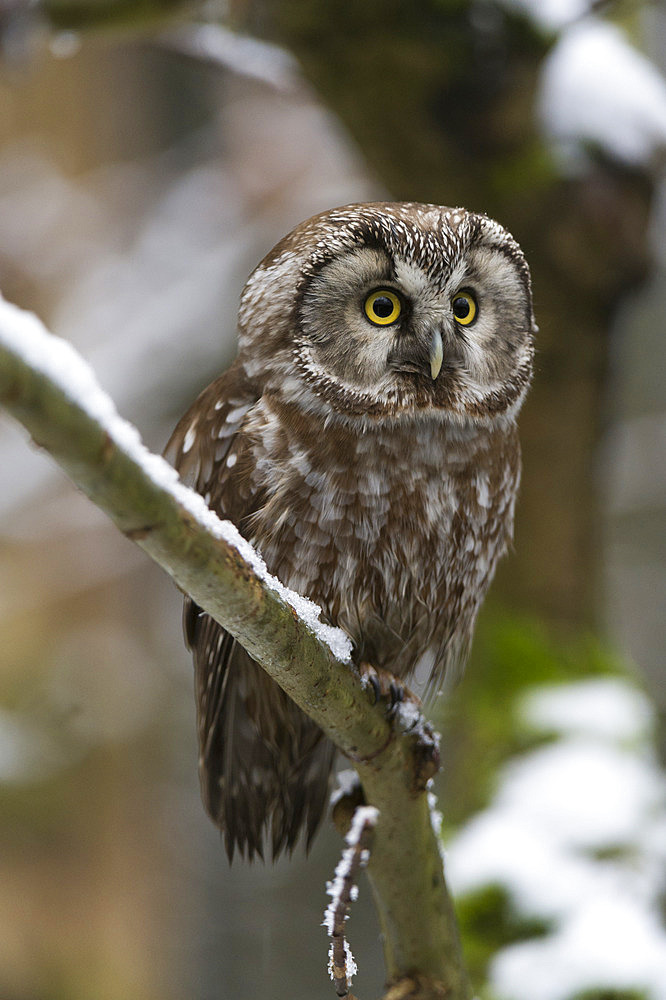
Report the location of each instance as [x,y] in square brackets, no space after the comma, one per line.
[365,442]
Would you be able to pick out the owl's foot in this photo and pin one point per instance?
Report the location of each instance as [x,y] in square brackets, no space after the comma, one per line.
[382,685]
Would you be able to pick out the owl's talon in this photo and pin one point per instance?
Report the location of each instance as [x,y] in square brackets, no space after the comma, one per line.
[370,681]
[384,686]
[376,688]
[396,692]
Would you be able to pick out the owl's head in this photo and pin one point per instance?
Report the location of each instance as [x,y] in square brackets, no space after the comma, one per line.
[389,309]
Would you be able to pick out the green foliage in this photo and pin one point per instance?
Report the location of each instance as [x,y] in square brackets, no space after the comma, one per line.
[80,15]
[612,995]
[488,922]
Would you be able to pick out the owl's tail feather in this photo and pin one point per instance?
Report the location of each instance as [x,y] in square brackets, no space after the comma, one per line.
[264,765]
[305,798]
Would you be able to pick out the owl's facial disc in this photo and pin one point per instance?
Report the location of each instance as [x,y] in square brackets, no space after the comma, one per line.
[377,324]
[392,316]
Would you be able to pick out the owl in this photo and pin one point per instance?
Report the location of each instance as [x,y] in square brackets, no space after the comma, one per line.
[365,442]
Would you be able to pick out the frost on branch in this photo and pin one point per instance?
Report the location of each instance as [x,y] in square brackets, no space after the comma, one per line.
[343,891]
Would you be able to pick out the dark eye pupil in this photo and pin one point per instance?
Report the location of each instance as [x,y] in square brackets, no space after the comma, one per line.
[382,306]
[461,307]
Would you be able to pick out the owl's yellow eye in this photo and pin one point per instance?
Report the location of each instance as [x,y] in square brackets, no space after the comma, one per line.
[382,307]
[464,308]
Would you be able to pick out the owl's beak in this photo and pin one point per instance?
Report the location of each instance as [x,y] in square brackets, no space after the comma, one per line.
[436,354]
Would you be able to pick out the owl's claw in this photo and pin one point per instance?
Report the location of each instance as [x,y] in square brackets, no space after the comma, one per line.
[382,685]
[371,684]
[396,693]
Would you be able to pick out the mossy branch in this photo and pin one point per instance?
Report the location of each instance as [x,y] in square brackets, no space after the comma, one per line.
[53,393]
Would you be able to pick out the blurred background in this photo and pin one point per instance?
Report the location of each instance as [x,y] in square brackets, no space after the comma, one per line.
[150,154]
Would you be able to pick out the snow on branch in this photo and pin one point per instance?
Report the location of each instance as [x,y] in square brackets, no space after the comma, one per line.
[343,891]
[54,358]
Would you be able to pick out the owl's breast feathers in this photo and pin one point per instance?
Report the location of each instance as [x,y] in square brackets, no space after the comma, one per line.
[394,529]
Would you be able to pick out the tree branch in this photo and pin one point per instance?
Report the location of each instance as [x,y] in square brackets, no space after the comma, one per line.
[343,891]
[46,385]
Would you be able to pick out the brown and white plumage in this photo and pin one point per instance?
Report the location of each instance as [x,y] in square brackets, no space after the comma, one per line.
[373,461]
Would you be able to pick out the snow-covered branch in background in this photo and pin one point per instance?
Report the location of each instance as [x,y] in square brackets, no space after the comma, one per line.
[48,387]
[597,91]
[575,835]
[343,891]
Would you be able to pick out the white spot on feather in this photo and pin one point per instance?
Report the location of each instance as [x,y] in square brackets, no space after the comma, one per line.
[190,438]
[233,416]
[482,491]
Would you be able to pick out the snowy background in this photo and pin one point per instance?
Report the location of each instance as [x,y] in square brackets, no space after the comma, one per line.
[139,184]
